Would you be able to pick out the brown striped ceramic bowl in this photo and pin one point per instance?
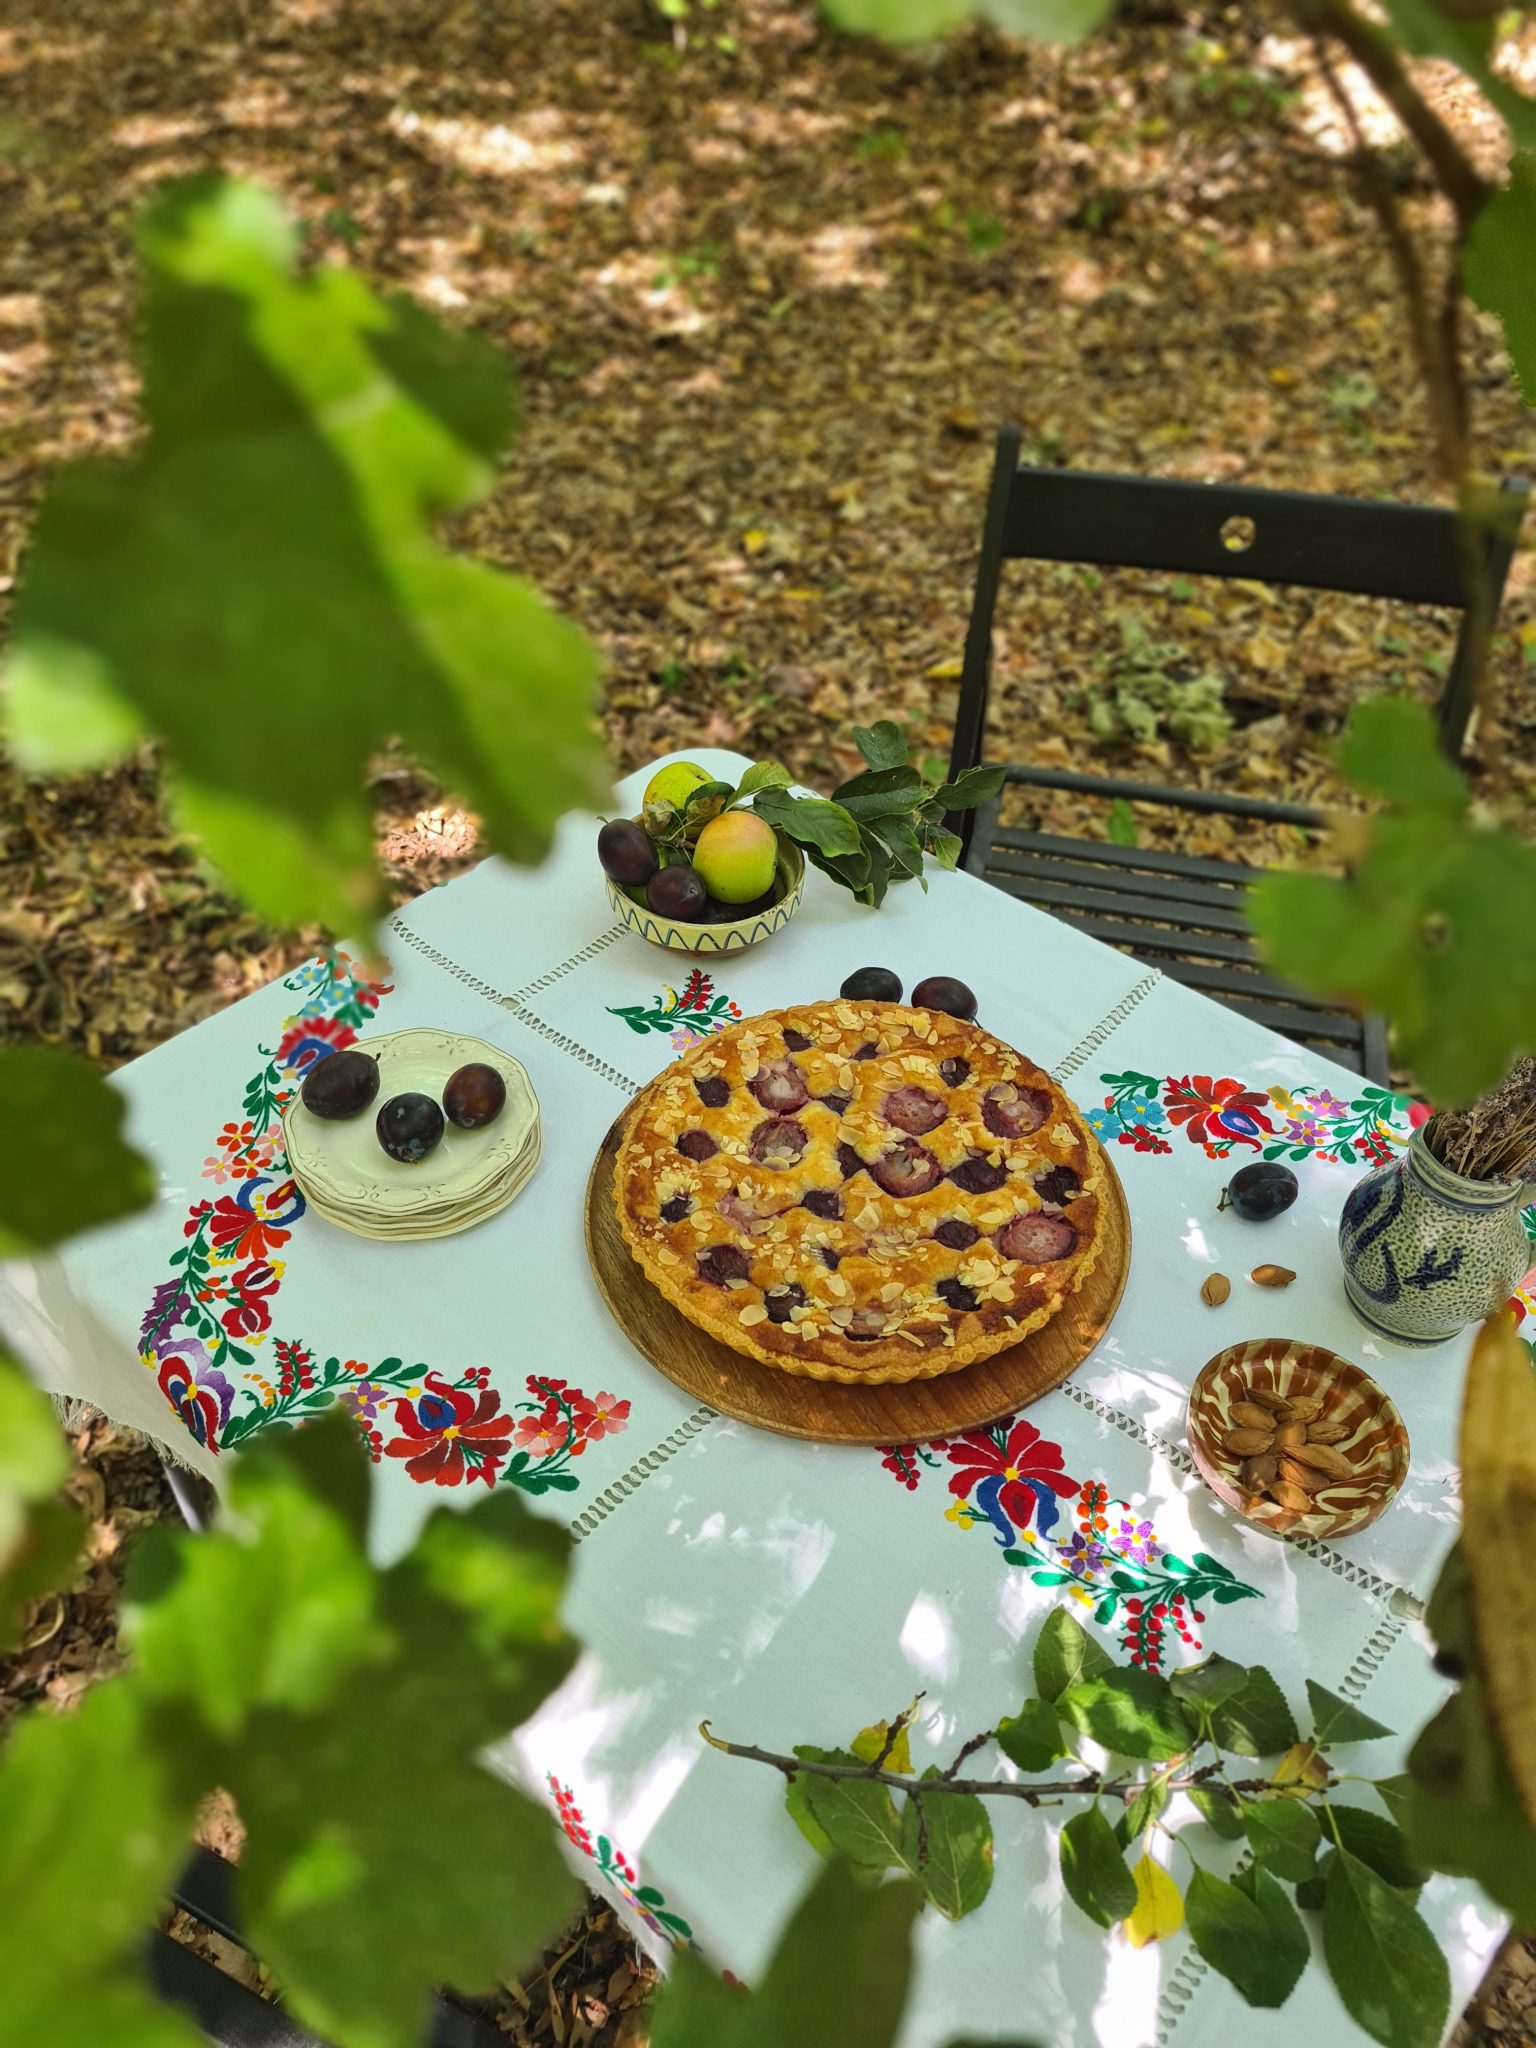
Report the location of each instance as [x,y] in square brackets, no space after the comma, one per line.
[1365,1430]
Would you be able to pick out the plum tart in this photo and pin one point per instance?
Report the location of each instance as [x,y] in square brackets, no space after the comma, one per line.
[860,1191]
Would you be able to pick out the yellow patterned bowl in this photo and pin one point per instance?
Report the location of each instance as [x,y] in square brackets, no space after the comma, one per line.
[734,937]
[1374,1442]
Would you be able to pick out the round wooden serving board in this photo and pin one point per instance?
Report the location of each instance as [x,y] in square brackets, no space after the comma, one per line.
[910,1412]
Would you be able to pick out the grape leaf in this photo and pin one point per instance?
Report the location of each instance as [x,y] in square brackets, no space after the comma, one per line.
[838,1978]
[270,553]
[1093,1868]
[1432,926]
[66,1119]
[1384,1962]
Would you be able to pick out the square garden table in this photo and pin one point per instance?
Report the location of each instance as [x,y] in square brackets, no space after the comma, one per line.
[789,1592]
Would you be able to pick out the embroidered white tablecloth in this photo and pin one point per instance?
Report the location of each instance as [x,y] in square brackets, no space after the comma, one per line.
[789,1592]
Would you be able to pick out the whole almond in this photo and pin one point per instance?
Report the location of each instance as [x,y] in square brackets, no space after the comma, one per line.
[1251,1416]
[1323,1458]
[1287,1496]
[1214,1289]
[1245,1442]
[1327,1432]
[1258,1473]
[1302,1476]
[1272,1276]
[1275,1403]
[1289,1434]
[1303,1407]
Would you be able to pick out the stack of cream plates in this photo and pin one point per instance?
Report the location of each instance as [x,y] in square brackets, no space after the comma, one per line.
[346,1176]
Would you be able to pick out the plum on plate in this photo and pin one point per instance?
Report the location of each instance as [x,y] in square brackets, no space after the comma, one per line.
[342,1084]
[409,1127]
[476,1094]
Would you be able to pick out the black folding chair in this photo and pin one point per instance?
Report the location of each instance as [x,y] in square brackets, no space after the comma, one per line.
[1184,915]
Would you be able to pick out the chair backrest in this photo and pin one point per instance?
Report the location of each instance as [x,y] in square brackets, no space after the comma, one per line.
[1418,554]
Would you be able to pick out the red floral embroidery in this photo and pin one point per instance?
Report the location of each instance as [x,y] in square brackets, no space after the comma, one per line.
[1219,1113]
[1015,1477]
[450,1436]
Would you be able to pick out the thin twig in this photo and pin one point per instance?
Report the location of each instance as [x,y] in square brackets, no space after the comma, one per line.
[968,1749]
[1092,1784]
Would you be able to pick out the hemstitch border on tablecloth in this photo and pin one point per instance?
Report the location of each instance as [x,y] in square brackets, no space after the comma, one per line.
[604,1503]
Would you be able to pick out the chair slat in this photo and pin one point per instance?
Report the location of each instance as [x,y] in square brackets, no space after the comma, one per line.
[1302,1020]
[1169,795]
[1127,895]
[1149,942]
[1151,860]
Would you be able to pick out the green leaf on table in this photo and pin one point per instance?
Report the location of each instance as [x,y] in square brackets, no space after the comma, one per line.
[947,1840]
[1233,1934]
[1032,1737]
[1385,1964]
[1093,1868]
[1217,1811]
[859,1819]
[1130,1712]
[882,745]
[1065,1653]
[838,1978]
[1255,1721]
[94,1820]
[796,1804]
[764,775]
[1287,1936]
[1149,1805]
[66,1120]
[812,820]
[1431,926]
[880,793]
[901,842]
[272,544]
[1210,1683]
[970,787]
[1339,1720]
[879,862]
[1283,1835]
[1379,1842]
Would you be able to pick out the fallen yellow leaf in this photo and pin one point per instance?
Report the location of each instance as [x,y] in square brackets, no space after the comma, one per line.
[1159,1910]
[754,540]
[943,672]
[1281,375]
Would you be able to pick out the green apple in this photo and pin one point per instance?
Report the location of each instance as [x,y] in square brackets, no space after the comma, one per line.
[675,783]
[737,855]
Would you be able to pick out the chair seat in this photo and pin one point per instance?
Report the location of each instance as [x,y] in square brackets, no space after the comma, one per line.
[1183,915]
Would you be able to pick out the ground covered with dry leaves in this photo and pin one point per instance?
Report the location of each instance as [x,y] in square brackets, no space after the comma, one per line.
[768,292]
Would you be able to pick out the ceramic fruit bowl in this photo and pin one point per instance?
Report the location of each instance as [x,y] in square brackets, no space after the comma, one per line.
[719,937]
[1296,1439]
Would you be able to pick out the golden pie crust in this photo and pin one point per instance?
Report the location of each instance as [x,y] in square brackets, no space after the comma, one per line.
[860,1191]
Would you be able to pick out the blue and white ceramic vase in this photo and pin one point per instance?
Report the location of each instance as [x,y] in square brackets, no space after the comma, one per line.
[1425,1251]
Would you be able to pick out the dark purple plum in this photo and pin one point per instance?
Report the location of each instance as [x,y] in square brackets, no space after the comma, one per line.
[848,1161]
[781,1300]
[779,1085]
[866,1052]
[714,1091]
[979,1175]
[836,1101]
[1058,1184]
[778,1141]
[958,1235]
[409,1127]
[1036,1240]
[943,992]
[907,1169]
[476,1095]
[872,985]
[342,1084]
[914,1109]
[1255,1192]
[676,892]
[723,1263]
[1009,1111]
[953,1071]
[796,1041]
[960,1297]
[677,1209]
[867,1325]
[698,1145]
[823,1202]
[626,853]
